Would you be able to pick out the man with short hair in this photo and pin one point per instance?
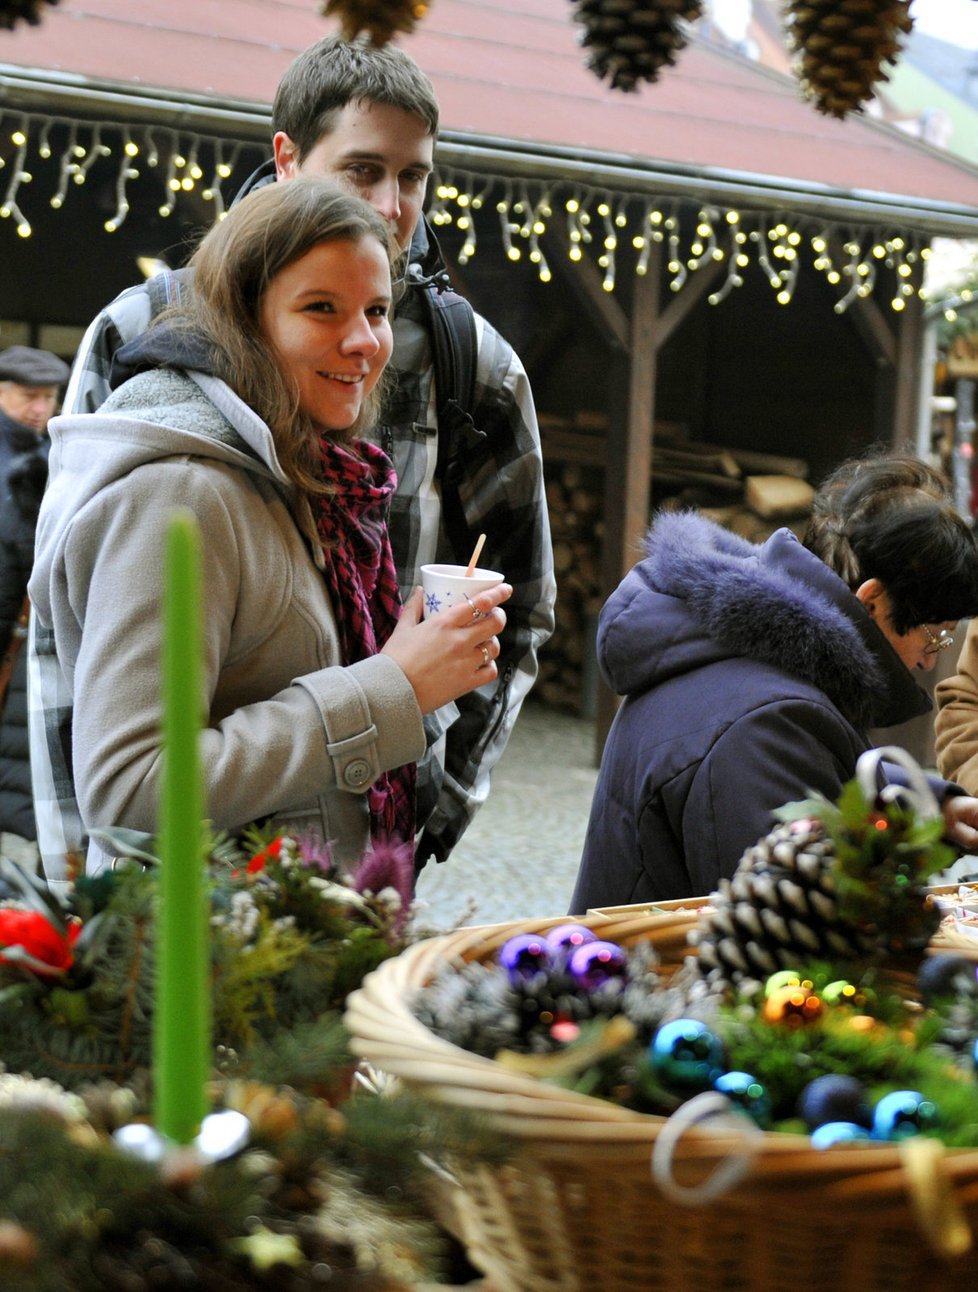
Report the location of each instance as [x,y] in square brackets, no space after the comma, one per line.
[369,118]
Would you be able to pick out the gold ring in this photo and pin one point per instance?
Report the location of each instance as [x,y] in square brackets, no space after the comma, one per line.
[485,654]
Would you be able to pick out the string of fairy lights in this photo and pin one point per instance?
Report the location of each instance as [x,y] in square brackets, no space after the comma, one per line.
[617,230]
[173,156]
[605,224]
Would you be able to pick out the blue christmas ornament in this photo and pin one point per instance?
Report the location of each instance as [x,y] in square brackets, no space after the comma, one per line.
[831,1133]
[944,975]
[747,1093]
[903,1113]
[525,956]
[565,937]
[834,1098]
[597,964]
[686,1055]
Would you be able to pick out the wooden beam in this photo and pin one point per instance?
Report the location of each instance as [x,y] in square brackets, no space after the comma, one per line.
[587,285]
[687,298]
[867,318]
[629,472]
[908,394]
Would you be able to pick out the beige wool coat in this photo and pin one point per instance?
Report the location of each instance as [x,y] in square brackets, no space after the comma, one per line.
[956,724]
[290,732]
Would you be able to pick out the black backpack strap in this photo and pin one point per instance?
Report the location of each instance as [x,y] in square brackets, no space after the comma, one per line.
[455,345]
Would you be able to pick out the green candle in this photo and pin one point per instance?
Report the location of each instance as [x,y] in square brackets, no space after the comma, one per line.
[182,1014]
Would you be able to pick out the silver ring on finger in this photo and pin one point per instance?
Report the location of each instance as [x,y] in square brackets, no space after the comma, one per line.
[477,614]
[486,657]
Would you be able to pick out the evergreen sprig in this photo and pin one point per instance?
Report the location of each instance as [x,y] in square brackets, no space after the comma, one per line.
[885,851]
[78,1214]
[291,936]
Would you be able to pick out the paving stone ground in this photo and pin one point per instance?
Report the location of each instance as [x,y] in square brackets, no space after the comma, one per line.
[519,857]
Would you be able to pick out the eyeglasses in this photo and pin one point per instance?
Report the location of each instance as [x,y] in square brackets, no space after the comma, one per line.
[936,642]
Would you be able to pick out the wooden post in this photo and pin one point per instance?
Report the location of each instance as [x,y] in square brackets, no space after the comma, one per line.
[628,477]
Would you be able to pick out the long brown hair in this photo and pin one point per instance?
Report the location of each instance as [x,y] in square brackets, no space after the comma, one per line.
[233,267]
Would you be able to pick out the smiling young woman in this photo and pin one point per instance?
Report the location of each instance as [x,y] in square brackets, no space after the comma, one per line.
[248,405]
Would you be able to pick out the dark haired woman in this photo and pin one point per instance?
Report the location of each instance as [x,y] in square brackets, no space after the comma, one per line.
[752,674]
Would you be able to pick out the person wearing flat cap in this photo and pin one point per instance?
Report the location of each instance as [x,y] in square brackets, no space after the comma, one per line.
[30,383]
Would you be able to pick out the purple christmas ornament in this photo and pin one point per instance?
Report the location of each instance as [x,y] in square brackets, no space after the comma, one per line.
[565,937]
[524,956]
[596,964]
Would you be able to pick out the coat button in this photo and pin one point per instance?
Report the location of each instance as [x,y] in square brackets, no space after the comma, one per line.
[357,773]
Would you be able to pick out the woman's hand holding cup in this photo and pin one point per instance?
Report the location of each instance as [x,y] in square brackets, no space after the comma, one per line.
[453,648]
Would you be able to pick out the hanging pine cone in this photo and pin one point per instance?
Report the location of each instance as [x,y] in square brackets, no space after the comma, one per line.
[378,20]
[842,884]
[14,11]
[841,47]
[630,40]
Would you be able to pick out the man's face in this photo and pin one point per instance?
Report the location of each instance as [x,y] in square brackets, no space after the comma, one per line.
[30,405]
[382,153]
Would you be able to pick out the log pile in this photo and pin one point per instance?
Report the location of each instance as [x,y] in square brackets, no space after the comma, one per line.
[575,497]
[750,493]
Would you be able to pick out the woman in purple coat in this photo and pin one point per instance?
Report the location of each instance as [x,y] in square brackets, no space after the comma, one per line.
[752,674]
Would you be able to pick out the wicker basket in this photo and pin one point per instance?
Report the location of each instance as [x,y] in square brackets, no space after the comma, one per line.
[577,1206]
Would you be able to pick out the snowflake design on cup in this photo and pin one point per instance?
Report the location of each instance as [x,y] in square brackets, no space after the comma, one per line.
[432,603]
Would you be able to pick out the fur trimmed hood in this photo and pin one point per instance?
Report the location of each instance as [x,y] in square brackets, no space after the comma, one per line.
[704,594]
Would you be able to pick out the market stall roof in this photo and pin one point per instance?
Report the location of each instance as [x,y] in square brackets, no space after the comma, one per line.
[516,99]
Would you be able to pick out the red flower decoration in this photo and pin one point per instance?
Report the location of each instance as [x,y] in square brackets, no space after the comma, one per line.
[37,937]
[260,859]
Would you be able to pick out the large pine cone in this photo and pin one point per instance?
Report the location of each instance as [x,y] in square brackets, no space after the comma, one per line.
[842,46]
[379,20]
[631,40]
[14,11]
[780,910]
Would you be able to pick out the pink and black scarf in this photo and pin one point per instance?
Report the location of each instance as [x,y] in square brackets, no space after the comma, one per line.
[362,583]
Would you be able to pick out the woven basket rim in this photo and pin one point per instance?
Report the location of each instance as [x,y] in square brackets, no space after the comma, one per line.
[546,1118]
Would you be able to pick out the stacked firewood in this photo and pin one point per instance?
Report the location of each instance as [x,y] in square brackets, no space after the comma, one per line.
[750,493]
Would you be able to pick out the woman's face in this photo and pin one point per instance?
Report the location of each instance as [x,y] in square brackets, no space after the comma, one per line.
[326,316]
[918,647]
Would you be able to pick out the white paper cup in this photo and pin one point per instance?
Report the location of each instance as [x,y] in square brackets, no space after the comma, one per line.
[446,586]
